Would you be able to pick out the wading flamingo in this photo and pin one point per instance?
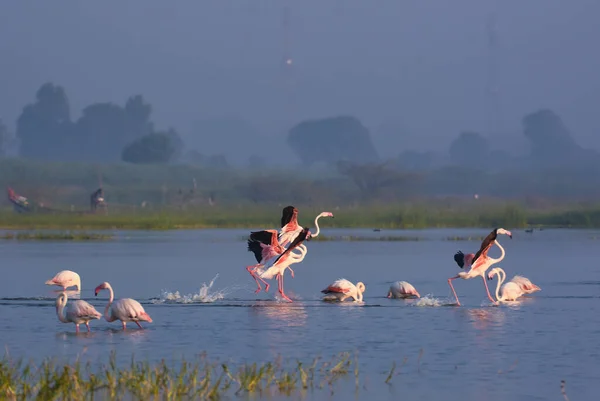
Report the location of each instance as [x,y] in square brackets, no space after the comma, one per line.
[124,309]
[402,289]
[290,228]
[66,279]
[480,261]
[526,286]
[505,292]
[272,256]
[343,289]
[77,312]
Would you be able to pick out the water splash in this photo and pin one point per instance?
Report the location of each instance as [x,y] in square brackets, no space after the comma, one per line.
[429,300]
[204,295]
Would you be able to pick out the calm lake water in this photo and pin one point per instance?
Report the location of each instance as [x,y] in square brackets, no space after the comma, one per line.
[473,352]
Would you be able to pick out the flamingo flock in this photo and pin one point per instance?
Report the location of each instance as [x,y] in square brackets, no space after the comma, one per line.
[81,312]
[274,253]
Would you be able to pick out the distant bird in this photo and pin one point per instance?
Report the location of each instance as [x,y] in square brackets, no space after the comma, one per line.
[527,286]
[343,289]
[124,309]
[479,262]
[77,312]
[66,279]
[271,256]
[504,292]
[402,289]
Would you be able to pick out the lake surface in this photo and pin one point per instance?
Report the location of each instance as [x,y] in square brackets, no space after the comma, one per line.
[473,352]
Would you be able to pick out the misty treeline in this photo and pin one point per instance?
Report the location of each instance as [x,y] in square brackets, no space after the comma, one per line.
[556,166]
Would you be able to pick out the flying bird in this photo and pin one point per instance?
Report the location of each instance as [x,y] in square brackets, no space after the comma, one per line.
[66,279]
[505,292]
[77,312]
[124,309]
[290,228]
[480,262]
[402,289]
[342,289]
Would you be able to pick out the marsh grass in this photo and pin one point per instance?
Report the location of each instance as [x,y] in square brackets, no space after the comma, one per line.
[432,214]
[64,236]
[200,379]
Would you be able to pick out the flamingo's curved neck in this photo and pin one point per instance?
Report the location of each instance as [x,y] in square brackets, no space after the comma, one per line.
[317,225]
[501,277]
[60,307]
[502,254]
[111,296]
[359,294]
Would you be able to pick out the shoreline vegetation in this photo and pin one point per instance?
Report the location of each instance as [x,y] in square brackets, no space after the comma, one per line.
[377,217]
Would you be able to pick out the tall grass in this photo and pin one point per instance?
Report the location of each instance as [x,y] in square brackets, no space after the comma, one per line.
[200,379]
[391,216]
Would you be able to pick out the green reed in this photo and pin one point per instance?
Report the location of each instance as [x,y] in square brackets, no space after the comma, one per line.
[62,236]
[200,379]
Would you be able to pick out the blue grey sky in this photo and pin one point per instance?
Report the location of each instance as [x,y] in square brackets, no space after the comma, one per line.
[419,66]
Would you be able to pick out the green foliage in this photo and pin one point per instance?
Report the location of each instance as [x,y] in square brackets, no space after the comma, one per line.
[66,236]
[155,148]
[330,140]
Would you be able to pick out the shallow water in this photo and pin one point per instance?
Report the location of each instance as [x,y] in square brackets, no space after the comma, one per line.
[474,352]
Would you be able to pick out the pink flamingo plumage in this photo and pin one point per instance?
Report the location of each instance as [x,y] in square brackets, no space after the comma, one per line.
[66,279]
[479,262]
[342,289]
[124,309]
[77,312]
[402,289]
[269,254]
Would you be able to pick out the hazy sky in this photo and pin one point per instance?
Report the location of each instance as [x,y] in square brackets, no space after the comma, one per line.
[420,65]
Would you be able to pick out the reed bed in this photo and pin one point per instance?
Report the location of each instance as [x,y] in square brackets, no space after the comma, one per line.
[393,216]
[187,380]
[61,236]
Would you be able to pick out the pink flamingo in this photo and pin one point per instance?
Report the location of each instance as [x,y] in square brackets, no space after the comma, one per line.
[290,229]
[402,289]
[479,262]
[272,256]
[527,286]
[342,289]
[66,279]
[77,312]
[124,309]
[510,291]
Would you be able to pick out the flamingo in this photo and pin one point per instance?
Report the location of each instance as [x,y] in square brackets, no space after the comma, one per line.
[124,309]
[510,291]
[343,289]
[480,261]
[402,289]
[526,286]
[290,229]
[77,312]
[272,256]
[66,279]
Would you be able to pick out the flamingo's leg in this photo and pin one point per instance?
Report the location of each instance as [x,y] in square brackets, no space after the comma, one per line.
[291,271]
[124,325]
[488,290]
[139,325]
[76,328]
[251,270]
[87,324]
[281,289]
[452,287]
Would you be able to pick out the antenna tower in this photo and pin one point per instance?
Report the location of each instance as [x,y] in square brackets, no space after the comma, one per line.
[492,92]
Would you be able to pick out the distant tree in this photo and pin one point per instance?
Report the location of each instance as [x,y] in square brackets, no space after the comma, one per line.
[102,132]
[549,137]
[4,139]
[155,148]
[44,128]
[470,148]
[217,161]
[331,140]
[177,143]
[138,117]
[372,178]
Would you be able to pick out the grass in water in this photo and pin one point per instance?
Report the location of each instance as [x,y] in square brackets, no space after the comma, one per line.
[189,380]
[66,236]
